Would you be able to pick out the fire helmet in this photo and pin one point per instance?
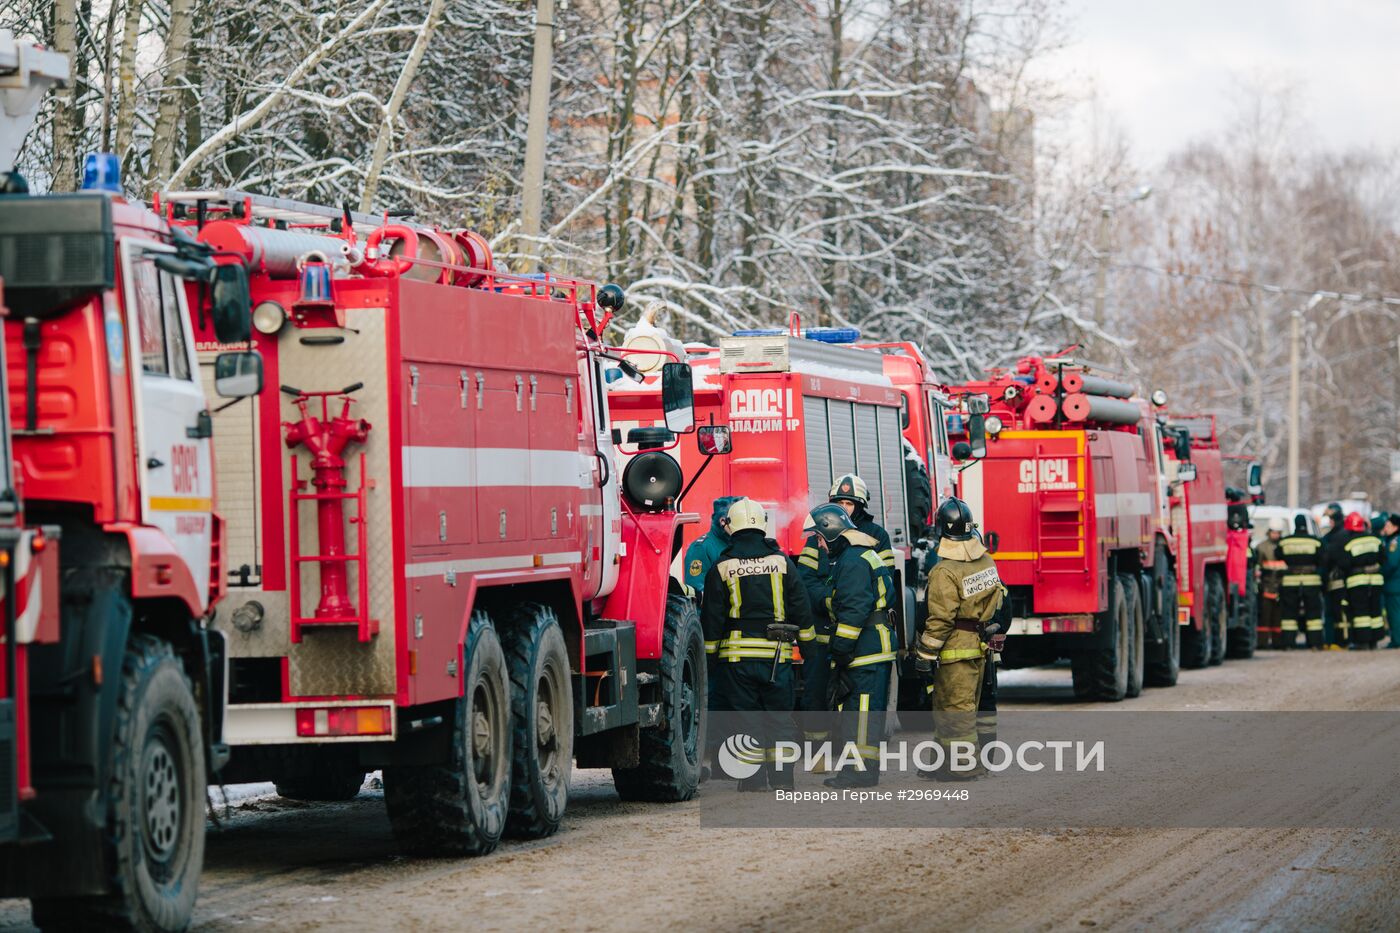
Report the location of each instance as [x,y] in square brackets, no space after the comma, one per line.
[1276,524]
[829,521]
[1300,524]
[954,520]
[851,488]
[746,515]
[1354,522]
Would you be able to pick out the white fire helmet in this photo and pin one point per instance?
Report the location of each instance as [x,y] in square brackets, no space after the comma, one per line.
[745,514]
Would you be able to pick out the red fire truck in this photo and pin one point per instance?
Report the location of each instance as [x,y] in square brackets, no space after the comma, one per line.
[1199,514]
[801,412]
[1066,475]
[434,566]
[112,555]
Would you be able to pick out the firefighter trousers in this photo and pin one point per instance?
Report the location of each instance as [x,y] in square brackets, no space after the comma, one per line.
[957,688]
[1302,612]
[862,719]
[768,710]
[1271,621]
[1364,612]
[816,681]
[1337,630]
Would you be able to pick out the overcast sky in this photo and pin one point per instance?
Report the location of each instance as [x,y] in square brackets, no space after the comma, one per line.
[1164,70]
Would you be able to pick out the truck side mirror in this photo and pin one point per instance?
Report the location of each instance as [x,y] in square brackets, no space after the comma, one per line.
[678,397]
[231,304]
[977,435]
[714,439]
[238,375]
[1256,481]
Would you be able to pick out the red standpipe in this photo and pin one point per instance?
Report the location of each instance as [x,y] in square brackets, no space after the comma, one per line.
[326,439]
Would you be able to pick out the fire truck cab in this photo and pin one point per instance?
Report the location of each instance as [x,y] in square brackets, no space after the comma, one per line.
[112,700]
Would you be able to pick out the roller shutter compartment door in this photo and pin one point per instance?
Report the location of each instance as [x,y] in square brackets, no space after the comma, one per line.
[868,460]
[818,445]
[892,475]
[843,441]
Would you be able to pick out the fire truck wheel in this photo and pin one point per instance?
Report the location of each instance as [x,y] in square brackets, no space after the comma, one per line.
[1164,660]
[1217,614]
[155,803]
[1101,672]
[1136,656]
[670,752]
[458,807]
[542,722]
[325,786]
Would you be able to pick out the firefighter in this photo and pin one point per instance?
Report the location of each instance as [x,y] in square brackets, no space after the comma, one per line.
[919,489]
[964,594]
[1271,570]
[704,551]
[1390,572]
[851,493]
[1334,577]
[754,606]
[1364,582]
[862,643]
[1300,588]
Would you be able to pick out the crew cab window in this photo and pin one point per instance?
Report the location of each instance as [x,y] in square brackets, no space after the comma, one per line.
[163,348]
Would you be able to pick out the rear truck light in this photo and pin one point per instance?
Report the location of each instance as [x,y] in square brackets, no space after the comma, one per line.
[1053,625]
[1075,624]
[344,720]
[1183,616]
[1185,599]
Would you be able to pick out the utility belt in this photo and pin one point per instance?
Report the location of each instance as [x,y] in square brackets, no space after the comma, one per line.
[969,625]
[736,646]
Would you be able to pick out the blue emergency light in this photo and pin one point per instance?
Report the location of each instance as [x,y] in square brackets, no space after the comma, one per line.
[102,171]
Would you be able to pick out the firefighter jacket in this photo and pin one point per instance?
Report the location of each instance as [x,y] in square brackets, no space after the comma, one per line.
[1302,555]
[920,492]
[866,524]
[1390,563]
[858,607]
[964,594]
[704,551]
[1363,561]
[751,586]
[814,568]
[1334,558]
[1271,565]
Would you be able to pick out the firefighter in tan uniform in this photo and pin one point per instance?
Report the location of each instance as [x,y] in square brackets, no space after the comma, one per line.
[1272,567]
[964,594]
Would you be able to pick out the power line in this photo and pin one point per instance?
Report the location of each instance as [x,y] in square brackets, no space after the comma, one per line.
[1261,286]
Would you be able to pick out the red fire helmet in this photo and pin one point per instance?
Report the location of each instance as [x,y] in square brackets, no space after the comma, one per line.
[1354,522]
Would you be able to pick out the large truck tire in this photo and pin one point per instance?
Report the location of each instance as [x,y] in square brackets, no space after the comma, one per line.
[329,786]
[1136,643]
[1164,660]
[155,804]
[1101,672]
[459,807]
[1243,636]
[542,722]
[671,752]
[1218,615]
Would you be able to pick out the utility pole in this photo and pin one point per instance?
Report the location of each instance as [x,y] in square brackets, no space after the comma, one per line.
[536,135]
[1102,245]
[1294,394]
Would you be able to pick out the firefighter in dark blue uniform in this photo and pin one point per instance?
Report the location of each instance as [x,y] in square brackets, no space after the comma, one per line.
[754,608]
[853,496]
[862,646]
